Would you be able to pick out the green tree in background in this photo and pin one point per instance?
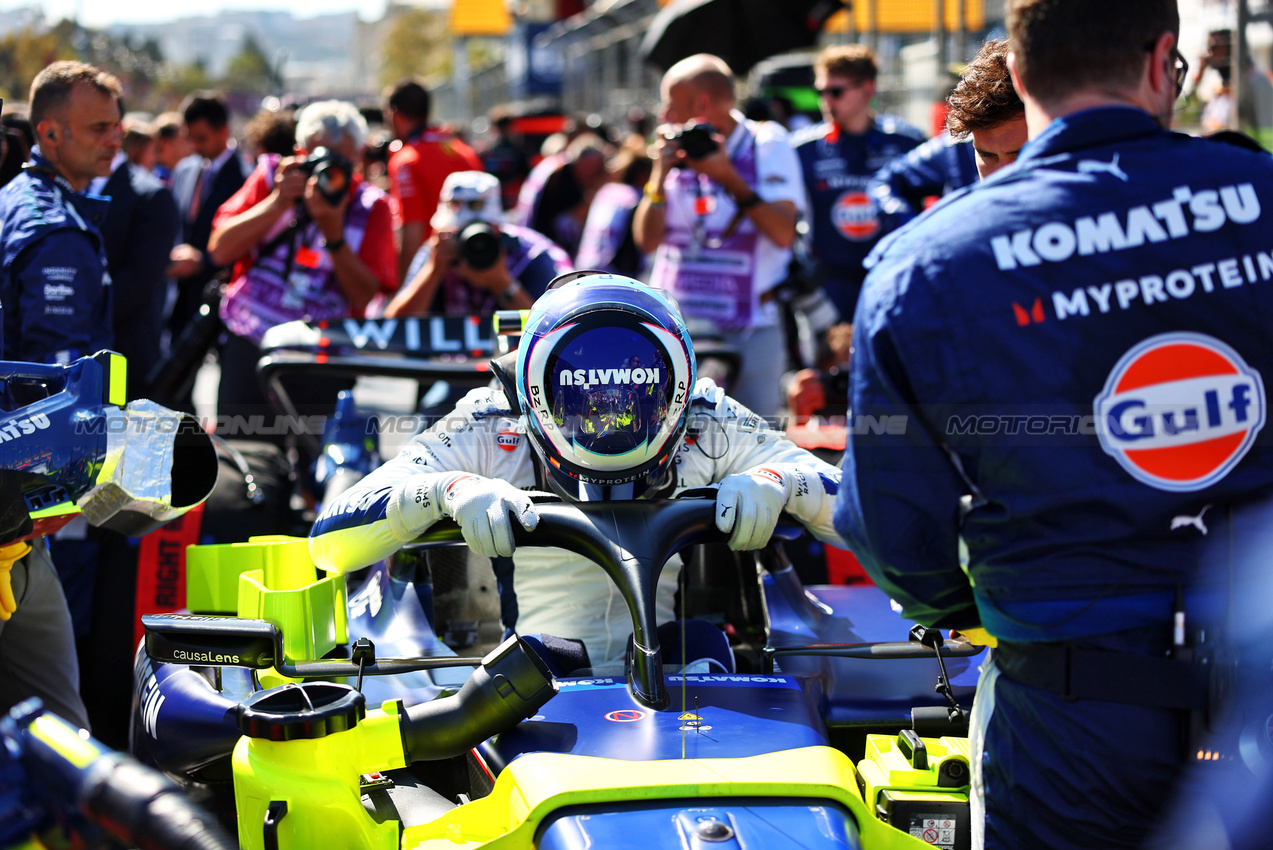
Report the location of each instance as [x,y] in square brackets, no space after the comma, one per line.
[24,53]
[251,71]
[417,44]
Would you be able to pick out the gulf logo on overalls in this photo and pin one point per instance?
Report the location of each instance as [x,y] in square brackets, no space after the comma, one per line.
[1179,411]
[855,216]
[508,440]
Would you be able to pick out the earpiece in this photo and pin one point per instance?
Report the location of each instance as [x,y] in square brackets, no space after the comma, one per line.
[49,134]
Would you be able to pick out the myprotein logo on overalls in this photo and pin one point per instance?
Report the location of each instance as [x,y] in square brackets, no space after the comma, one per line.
[589,378]
[1179,411]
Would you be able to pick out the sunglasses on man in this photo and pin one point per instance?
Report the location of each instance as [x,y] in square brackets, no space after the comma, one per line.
[836,92]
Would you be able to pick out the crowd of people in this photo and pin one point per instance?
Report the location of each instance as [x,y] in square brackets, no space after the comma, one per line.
[1113,269]
[201,215]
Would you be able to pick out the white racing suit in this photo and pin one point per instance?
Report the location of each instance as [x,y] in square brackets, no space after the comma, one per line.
[558,592]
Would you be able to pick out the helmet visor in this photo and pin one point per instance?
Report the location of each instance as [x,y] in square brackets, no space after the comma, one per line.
[610,392]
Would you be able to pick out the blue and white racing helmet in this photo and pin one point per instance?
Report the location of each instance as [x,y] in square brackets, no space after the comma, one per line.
[604,375]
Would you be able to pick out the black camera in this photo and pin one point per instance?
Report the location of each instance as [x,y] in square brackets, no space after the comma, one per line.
[479,245]
[697,139]
[333,173]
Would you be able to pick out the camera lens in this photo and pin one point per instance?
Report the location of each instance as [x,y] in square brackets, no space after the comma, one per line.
[479,245]
[696,140]
[333,182]
[332,174]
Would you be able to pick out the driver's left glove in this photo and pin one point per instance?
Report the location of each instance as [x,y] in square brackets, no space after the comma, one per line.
[748,503]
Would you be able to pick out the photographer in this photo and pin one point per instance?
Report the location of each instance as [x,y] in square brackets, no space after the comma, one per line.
[721,209]
[474,264]
[309,239]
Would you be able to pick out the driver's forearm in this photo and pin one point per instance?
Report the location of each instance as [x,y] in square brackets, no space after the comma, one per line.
[362,525]
[240,235]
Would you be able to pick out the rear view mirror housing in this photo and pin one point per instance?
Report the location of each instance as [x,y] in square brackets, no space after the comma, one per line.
[213,641]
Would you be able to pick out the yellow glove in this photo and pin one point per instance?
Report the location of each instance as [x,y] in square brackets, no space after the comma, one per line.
[978,637]
[8,555]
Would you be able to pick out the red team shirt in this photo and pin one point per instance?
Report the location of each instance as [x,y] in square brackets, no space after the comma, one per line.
[416,172]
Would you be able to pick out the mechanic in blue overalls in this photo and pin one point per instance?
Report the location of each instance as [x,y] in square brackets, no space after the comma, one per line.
[55,291]
[838,158]
[1078,345]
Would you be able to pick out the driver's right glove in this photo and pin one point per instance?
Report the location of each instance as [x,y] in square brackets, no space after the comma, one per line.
[748,505]
[485,509]
[481,506]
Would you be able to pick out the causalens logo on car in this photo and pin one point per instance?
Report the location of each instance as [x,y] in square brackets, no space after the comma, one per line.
[1179,411]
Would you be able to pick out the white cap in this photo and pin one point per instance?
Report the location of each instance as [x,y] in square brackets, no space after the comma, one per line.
[466,188]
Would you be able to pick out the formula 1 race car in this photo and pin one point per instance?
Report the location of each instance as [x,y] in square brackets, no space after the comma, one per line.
[319,718]
[326,710]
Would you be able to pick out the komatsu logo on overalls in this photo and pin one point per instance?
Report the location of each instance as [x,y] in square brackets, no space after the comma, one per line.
[1180,410]
[1185,212]
[589,378]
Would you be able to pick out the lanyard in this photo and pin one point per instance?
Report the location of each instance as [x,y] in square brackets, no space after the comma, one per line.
[705,205]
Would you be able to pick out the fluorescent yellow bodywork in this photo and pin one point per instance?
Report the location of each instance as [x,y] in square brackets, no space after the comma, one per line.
[537,784]
[318,779]
[271,578]
[886,767]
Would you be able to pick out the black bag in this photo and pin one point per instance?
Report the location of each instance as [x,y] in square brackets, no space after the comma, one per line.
[253,494]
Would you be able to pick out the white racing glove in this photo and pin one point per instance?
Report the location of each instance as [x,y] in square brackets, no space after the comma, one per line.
[480,505]
[748,505]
